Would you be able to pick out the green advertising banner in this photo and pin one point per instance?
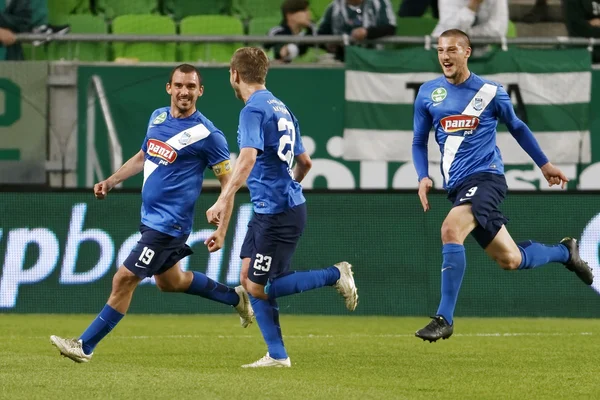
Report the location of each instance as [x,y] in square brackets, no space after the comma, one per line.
[133,93]
[551,92]
[59,252]
[552,101]
[23,122]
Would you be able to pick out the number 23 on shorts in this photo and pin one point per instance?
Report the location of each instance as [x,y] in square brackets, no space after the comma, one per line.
[262,263]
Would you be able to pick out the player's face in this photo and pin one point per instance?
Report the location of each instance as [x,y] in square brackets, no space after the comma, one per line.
[453,54]
[235,83]
[184,89]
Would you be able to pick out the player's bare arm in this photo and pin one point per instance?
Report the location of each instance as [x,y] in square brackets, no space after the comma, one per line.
[132,167]
[215,241]
[224,178]
[222,209]
[303,165]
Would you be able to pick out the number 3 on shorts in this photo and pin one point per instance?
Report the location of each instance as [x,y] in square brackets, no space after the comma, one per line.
[262,263]
[471,192]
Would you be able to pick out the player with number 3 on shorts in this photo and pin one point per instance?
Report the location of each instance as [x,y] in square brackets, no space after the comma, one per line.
[463,109]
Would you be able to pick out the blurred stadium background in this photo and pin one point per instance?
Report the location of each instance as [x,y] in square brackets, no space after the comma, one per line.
[74,110]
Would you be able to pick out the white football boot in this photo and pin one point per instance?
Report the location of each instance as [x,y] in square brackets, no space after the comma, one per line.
[346,286]
[268,361]
[71,348]
[244,308]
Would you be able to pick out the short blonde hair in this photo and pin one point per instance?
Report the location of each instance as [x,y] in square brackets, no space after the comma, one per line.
[251,63]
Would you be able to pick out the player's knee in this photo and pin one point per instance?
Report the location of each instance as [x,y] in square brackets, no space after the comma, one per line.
[450,233]
[123,284]
[244,278]
[257,291]
[509,261]
[124,280]
[244,282]
[167,286]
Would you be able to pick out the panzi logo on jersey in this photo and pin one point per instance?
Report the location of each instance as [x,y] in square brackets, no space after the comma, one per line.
[456,123]
[159,149]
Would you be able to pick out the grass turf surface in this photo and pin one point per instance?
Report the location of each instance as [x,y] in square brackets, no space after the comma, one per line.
[199,357]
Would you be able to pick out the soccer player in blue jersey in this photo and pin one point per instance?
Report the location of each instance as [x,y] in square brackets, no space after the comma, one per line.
[464,109]
[180,144]
[269,140]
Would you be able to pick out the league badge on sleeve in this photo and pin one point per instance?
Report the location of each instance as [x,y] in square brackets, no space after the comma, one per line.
[160,118]
[438,94]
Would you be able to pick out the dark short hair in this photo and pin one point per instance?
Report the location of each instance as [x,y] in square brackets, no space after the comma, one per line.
[186,69]
[457,33]
[251,63]
[293,6]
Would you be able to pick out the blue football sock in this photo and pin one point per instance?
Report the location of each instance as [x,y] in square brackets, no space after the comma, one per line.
[104,323]
[205,287]
[453,269]
[266,313]
[534,254]
[301,281]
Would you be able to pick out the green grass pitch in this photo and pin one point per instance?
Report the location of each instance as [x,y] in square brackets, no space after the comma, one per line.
[199,357]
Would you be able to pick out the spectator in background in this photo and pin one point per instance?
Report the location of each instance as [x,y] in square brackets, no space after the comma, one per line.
[296,21]
[538,13]
[361,19]
[477,18]
[416,8]
[16,16]
[39,21]
[582,18]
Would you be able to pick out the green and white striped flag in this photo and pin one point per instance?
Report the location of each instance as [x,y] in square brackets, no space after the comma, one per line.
[551,90]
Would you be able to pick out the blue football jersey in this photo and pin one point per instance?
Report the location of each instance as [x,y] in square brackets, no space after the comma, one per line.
[464,118]
[178,150]
[267,125]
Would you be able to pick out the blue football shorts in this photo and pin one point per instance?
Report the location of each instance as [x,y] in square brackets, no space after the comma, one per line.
[485,191]
[271,241]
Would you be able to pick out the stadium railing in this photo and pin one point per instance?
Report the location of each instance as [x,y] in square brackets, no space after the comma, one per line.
[96,90]
[335,39]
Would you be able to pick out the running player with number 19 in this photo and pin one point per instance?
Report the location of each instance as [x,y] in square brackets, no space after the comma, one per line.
[269,140]
[180,144]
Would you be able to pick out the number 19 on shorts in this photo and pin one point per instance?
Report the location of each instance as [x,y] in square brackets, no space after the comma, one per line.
[147,255]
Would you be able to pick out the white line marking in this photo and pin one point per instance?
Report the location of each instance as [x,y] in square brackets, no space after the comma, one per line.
[310,336]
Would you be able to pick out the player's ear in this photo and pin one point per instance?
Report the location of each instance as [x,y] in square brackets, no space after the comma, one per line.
[201,90]
[168,88]
[468,52]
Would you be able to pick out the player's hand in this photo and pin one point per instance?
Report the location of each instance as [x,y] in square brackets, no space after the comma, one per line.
[101,189]
[359,34]
[554,176]
[213,214]
[595,22]
[215,241]
[424,186]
